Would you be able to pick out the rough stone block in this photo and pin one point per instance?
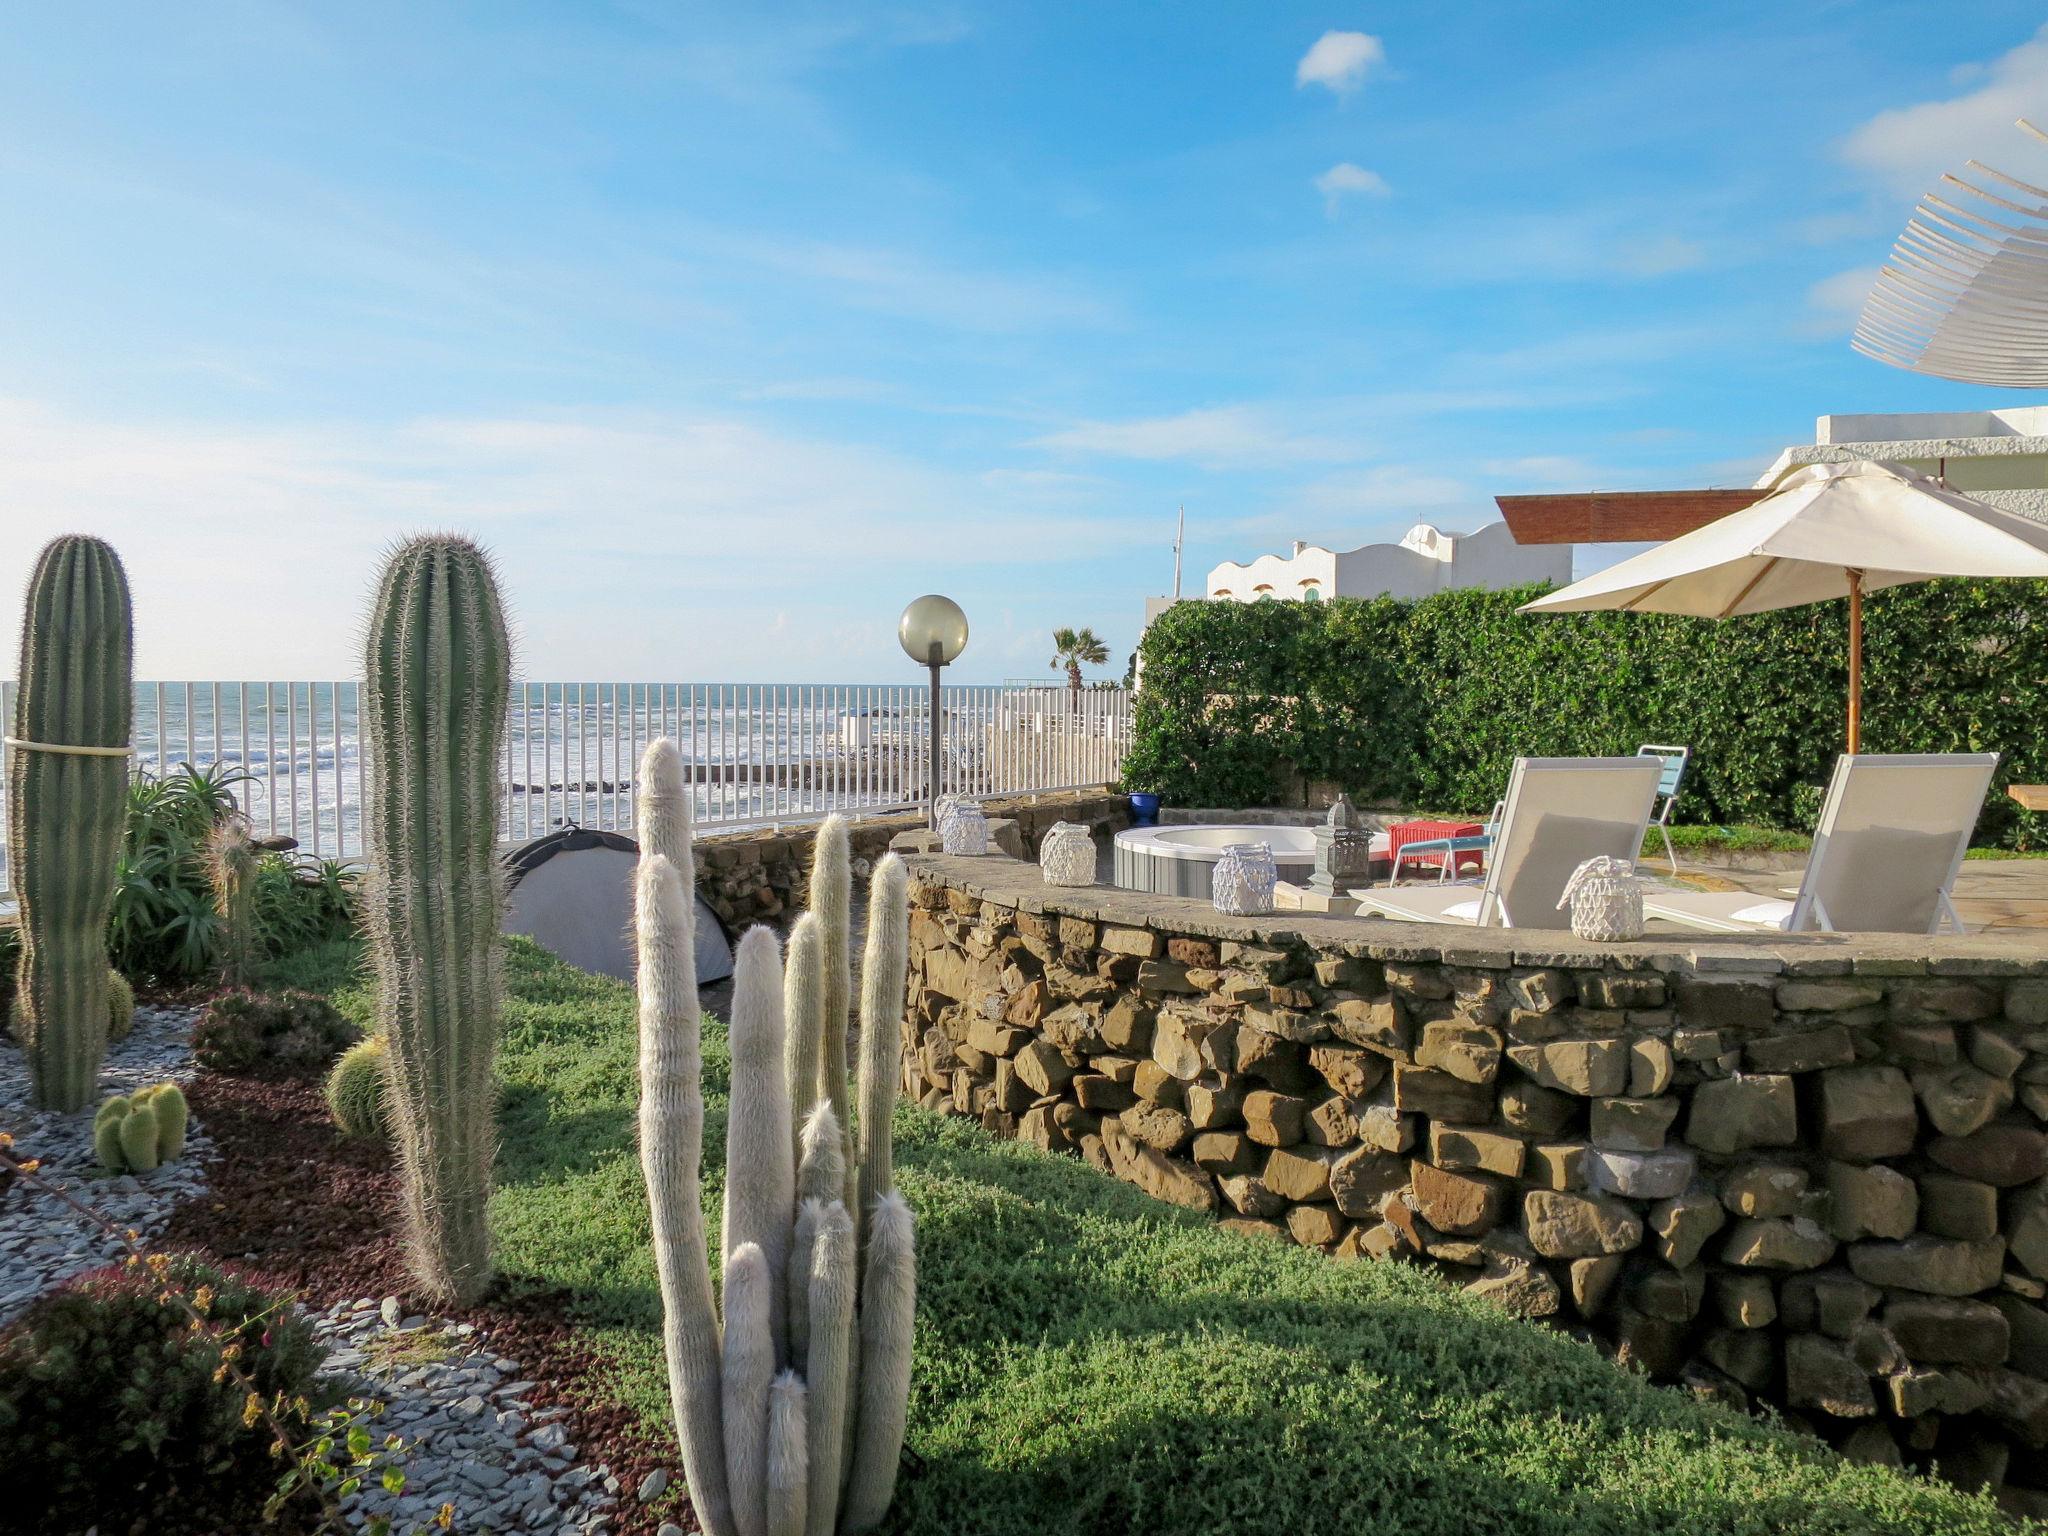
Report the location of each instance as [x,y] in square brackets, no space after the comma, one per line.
[1541,991]
[1278,1063]
[1142,942]
[1105,1095]
[1386,1129]
[1995,1049]
[1592,1279]
[1733,1114]
[1298,1173]
[1831,1301]
[1633,1125]
[1867,1113]
[1745,1005]
[1156,1085]
[1160,1176]
[1673,1295]
[1458,1203]
[1557,1165]
[1350,1070]
[1919,1391]
[1376,1024]
[1529,1106]
[1953,1206]
[1158,1126]
[1273,1119]
[1870,1200]
[1227,1152]
[1826,995]
[1935,1265]
[1940,1001]
[1806,1050]
[1465,1050]
[1361,1179]
[1127,1026]
[1641,1175]
[1763,1189]
[1750,1356]
[1745,1301]
[1650,1065]
[1331,1122]
[994,1039]
[1960,1099]
[2026,1220]
[1772,1243]
[1565,1226]
[1588,1068]
[1314,1226]
[2005,1155]
[1423,1091]
[1618,989]
[1941,1330]
[1177,1038]
[1458,1146]
[1820,1373]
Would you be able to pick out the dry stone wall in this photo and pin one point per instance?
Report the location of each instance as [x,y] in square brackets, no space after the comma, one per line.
[1811,1175]
[759,876]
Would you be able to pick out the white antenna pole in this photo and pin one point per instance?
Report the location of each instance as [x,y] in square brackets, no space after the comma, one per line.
[1180,529]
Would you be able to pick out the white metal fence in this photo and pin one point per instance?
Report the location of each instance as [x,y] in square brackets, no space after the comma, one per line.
[754,753]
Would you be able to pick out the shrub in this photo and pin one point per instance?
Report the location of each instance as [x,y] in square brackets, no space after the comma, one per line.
[1426,703]
[243,1031]
[120,1006]
[109,1397]
[355,1089]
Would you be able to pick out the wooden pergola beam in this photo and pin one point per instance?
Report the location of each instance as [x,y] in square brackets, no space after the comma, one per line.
[1617,517]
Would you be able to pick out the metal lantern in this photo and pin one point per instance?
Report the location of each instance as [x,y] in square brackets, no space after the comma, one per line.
[1243,881]
[1066,855]
[965,830]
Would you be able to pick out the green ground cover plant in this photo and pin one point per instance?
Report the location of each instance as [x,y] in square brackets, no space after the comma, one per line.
[1426,703]
[1089,1360]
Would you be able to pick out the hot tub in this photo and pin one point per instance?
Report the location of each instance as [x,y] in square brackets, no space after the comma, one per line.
[1177,861]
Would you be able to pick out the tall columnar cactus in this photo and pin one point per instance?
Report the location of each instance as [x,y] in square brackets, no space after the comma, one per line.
[67,782]
[813,1448]
[437,665]
[231,871]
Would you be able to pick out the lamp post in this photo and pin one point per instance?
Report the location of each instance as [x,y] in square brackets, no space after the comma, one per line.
[933,631]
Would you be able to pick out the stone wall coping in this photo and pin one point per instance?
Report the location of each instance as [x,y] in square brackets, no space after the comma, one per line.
[1017,884]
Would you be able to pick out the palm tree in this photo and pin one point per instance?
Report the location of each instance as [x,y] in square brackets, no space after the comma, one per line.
[1074,649]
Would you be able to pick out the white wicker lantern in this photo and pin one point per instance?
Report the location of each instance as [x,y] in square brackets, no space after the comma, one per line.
[1606,899]
[1243,881]
[965,830]
[1066,855]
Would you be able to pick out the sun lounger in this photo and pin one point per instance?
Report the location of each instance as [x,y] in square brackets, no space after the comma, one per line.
[1891,838]
[1558,813]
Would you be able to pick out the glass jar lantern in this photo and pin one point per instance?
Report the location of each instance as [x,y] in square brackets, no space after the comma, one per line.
[1243,880]
[1066,855]
[965,830]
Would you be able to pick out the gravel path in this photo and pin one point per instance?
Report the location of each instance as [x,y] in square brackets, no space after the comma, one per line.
[43,1241]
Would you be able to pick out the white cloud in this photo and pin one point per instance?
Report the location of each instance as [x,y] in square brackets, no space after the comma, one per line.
[1219,437]
[1344,180]
[1833,303]
[1907,148]
[1660,257]
[1340,61]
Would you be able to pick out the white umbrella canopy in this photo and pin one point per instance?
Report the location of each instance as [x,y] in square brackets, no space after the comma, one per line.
[1829,531]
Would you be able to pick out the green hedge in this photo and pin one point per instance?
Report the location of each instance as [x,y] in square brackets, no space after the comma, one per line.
[1425,703]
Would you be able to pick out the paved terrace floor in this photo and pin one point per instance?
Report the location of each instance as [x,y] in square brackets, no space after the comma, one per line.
[1993,895]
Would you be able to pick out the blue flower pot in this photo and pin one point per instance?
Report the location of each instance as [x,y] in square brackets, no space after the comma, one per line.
[1144,810]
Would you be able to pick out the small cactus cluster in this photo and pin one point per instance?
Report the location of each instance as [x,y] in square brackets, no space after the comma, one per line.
[790,1406]
[137,1132]
[67,786]
[355,1089]
[437,668]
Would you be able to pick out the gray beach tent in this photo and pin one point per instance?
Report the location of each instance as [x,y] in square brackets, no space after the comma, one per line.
[572,892]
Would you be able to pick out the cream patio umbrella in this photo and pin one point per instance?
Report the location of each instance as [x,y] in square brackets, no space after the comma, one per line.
[1828,531]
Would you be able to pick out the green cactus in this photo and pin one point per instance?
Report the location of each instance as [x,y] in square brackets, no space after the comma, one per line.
[437,665]
[106,1140]
[167,1103]
[230,860]
[355,1089]
[120,1006]
[813,1448]
[66,808]
[140,1138]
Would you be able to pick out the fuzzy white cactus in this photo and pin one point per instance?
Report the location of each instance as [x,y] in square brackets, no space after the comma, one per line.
[791,1417]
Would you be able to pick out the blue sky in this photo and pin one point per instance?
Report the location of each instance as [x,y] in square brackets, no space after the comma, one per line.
[731,329]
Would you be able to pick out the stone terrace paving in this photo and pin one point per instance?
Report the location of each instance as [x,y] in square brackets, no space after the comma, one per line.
[1804,1171]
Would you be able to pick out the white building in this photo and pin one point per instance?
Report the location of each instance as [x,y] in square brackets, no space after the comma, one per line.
[2000,457]
[1426,560]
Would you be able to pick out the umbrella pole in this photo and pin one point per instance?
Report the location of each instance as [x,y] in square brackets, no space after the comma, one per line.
[1855,662]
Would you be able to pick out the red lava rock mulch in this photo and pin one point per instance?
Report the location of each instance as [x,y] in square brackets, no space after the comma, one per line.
[294,1205]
